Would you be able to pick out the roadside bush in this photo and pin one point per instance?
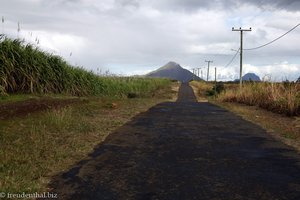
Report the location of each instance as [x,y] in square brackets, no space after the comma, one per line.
[216,89]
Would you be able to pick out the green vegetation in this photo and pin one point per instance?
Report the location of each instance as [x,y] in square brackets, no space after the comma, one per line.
[132,86]
[26,69]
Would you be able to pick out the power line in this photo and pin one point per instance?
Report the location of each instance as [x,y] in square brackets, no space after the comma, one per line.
[232,59]
[273,40]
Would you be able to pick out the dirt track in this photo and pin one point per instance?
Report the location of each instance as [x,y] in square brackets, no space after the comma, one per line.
[185,150]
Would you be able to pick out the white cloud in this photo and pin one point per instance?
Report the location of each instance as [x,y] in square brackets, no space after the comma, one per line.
[277,71]
[130,36]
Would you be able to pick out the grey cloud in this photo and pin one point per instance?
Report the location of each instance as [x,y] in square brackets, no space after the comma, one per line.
[194,5]
[143,33]
[133,3]
[292,5]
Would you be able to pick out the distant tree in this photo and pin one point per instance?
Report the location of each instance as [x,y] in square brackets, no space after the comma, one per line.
[298,80]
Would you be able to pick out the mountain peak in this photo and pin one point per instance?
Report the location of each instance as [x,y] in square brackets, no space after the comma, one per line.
[171,65]
[249,77]
[174,71]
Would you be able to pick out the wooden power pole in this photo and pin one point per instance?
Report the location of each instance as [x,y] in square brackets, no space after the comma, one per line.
[198,71]
[215,80]
[241,52]
[208,62]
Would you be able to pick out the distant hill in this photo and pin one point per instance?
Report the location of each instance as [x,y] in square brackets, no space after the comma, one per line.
[249,77]
[174,71]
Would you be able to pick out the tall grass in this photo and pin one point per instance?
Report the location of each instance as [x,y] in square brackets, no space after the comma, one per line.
[25,68]
[277,97]
[123,86]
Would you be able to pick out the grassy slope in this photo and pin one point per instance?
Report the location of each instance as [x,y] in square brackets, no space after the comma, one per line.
[38,146]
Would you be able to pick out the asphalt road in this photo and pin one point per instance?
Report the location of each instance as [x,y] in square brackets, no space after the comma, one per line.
[185,150]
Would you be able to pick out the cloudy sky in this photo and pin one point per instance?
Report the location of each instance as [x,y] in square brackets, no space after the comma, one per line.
[136,36]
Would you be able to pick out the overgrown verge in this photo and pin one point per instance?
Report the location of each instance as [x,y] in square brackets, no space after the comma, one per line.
[283,98]
[26,69]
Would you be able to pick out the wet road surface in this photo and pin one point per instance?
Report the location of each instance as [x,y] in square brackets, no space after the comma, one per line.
[185,150]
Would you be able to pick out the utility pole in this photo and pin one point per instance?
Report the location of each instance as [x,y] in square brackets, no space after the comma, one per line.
[208,62]
[2,20]
[193,73]
[198,71]
[215,74]
[19,29]
[215,80]
[241,52]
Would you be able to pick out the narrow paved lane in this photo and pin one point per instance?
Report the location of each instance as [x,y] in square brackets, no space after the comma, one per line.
[185,150]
